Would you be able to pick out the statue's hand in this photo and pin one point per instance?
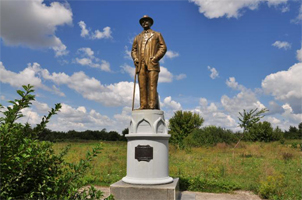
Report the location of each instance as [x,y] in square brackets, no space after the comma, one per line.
[136,61]
[154,60]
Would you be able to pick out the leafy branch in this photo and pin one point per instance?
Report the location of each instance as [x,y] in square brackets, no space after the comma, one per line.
[249,119]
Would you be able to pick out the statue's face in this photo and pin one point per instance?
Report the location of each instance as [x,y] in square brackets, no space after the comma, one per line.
[146,23]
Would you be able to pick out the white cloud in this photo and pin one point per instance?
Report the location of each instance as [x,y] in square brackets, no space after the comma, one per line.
[84,31]
[282,45]
[127,53]
[273,120]
[87,52]
[298,19]
[290,115]
[84,61]
[123,119]
[169,103]
[105,34]
[214,72]
[230,8]
[117,94]
[76,118]
[171,54]
[41,107]
[234,85]
[213,116]
[30,116]
[33,24]
[88,59]
[180,76]
[128,69]
[245,99]
[105,66]
[203,102]
[27,76]
[274,108]
[299,55]
[285,9]
[70,118]
[286,86]
[165,76]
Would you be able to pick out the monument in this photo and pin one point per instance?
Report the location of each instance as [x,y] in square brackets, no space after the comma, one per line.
[148,139]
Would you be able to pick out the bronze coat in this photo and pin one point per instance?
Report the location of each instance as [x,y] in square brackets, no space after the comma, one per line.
[154,47]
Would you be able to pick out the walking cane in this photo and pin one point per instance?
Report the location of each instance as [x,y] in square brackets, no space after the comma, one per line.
[134,88]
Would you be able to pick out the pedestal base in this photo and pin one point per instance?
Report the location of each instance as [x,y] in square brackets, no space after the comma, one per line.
[124,191]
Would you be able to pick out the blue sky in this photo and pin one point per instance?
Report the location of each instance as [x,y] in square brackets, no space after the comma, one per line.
[223,57]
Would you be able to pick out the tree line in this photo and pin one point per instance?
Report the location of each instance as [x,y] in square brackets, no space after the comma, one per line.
[185,129]
[58,136]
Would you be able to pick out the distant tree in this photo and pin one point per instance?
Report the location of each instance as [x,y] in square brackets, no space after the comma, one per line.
[293,129]
[250,118]
[124,133]
[182,124]
[114,136]
[278,134]
[294,132]
[262,131]
[210,136]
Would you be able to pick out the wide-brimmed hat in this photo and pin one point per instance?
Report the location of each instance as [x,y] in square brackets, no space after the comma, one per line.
[146,17]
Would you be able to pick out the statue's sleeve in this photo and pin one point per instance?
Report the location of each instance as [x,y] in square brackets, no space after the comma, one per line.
[134,49]
[162,48]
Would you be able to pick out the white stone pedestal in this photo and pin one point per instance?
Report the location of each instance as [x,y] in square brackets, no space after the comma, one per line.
[147,149]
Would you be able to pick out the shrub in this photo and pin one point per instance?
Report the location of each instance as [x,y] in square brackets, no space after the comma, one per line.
[263,132]
[210,136]
[182,124]
[250,118]
[294,145]
[272,186]
[29,168]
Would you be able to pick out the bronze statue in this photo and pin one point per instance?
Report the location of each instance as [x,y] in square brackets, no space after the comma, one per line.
[147,49]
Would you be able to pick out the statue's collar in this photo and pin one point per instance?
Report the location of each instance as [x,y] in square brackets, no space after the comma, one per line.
[149,31]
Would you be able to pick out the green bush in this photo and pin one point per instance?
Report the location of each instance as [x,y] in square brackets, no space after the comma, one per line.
[29,168]
[294,132]
[210,136]
[181,125]
[295,145]
[263,132]
[271,187]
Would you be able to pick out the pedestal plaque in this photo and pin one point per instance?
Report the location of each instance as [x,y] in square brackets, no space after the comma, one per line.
[143,153]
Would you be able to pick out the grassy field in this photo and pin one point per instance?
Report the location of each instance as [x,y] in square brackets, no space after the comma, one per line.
[272,170]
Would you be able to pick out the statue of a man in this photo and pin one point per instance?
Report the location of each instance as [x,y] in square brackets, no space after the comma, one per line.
[148,48]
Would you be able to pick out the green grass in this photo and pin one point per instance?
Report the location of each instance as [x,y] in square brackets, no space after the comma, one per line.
[272,170]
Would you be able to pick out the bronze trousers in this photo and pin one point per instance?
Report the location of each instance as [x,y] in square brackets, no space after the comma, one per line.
[147,81]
